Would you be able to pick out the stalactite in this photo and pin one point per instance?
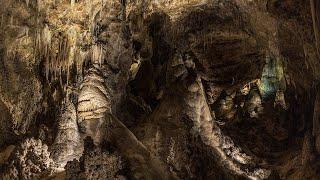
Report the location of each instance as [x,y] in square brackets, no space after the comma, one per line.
[315,9]
[61,53]
[11,20]
[72,2]
[39,5]
[97,54]
[45,47]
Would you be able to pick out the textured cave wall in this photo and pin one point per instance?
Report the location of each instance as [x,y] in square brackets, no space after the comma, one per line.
[180,89]
[21,89]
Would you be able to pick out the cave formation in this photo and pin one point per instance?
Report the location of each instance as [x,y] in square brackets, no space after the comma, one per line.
[159,89]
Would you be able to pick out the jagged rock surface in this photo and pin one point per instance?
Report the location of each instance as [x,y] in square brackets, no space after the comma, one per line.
[30,160]
[96,163]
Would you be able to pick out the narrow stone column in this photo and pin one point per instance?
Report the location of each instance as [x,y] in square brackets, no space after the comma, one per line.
[315,9]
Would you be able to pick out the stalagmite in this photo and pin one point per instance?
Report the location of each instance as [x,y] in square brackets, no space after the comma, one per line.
[228,154]
[93,102]
[68,144]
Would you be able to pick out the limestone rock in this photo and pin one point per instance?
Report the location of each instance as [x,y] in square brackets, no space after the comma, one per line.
[30,160]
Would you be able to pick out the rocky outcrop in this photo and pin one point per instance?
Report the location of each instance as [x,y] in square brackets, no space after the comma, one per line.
[95,163]
[30,160]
